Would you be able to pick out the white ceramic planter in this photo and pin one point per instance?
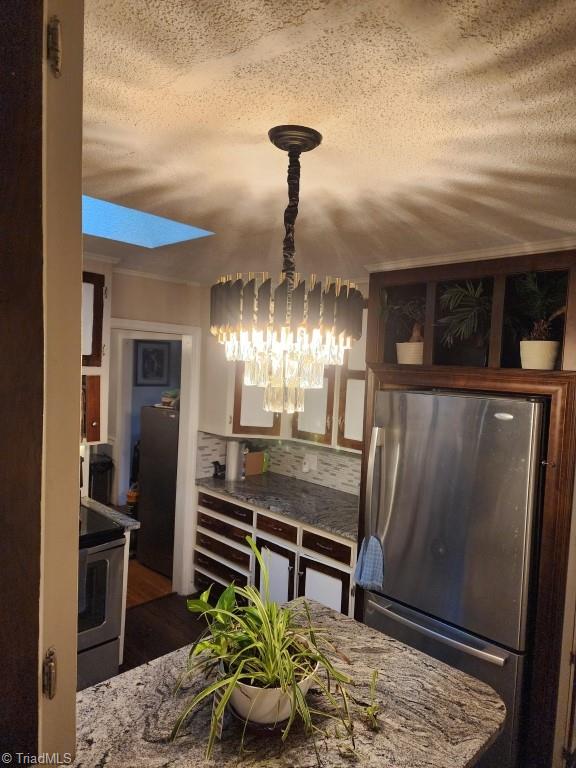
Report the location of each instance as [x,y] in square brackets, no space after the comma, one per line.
[539,355]
[410,352]
[265,705]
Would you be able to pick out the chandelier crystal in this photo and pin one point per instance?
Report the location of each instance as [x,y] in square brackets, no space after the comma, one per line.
[285,334]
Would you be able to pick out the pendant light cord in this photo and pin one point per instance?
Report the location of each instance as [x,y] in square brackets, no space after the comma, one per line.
[289,262]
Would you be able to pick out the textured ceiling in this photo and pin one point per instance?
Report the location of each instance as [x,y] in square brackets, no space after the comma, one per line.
[449,127]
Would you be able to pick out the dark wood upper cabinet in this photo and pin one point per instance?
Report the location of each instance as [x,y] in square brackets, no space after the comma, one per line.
[92,318]
[487,294]
[90,424]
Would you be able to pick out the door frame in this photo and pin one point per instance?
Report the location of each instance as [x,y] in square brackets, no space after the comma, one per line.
[123,333]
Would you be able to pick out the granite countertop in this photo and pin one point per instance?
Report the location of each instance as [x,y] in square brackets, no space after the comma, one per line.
[127,522]
[315,505]
[432,716]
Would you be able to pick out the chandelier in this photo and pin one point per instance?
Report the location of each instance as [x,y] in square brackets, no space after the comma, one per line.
[286,333]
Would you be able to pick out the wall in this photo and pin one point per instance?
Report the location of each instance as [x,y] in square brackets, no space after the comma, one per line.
[210,448]
[145,298]
[62,295]
[336,469]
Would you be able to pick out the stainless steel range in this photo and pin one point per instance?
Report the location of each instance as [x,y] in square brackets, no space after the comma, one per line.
[100,575]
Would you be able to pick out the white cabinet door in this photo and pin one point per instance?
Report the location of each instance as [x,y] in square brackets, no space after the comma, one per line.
[87,317]
[325,584]
[315,422]
[249,416]
[354,409]
[280,563]
[313,418]
[357,354]
[252,413]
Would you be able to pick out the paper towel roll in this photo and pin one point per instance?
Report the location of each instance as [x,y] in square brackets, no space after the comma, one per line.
[233,457]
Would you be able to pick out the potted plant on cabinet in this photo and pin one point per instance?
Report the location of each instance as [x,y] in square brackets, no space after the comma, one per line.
[466,318]
[263,658]
[409,314]
[539,301]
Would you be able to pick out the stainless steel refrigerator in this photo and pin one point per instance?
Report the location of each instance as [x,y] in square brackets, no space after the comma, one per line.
[159,429]
[452,496]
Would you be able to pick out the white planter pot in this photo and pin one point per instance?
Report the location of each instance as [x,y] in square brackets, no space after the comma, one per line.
[539,355]
[265,705]
[410,352]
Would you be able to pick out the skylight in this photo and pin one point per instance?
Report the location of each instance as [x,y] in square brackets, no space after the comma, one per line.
[128,225]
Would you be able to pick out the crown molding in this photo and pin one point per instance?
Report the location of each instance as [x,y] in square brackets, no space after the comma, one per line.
[154,276]
[482,254]
[89,256]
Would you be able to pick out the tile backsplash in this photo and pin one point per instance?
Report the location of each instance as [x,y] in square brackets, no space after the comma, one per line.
[336,469]
[210,448]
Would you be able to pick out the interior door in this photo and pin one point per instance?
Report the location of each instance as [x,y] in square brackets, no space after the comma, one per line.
[281,564]
[453,497]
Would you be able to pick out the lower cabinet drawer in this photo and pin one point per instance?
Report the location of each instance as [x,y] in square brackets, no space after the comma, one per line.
[227,508]
[277,528]
[325,546]
[219,569]
[219,548]
[227,530]
[202,582]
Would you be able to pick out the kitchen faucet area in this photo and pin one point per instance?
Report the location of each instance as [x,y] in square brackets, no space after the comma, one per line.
[290,479]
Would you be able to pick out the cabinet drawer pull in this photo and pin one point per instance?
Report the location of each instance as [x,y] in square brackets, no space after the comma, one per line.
[279,528]
[227,508]
[334,549]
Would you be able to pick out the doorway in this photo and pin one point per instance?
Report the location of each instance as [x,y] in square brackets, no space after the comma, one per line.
[175,352]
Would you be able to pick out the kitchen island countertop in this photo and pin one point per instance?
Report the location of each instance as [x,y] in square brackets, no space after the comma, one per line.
[433,716]
[308,503]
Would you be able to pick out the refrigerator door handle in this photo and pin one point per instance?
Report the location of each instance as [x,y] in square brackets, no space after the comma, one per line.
[369,528]
[492,656]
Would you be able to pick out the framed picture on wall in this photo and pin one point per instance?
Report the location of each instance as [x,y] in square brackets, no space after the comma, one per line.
[151,363]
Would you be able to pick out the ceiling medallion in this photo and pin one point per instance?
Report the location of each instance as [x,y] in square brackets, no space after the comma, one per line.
[285,334]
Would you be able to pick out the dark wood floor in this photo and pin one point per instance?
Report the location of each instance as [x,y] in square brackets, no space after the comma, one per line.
[144,584]
[158,627]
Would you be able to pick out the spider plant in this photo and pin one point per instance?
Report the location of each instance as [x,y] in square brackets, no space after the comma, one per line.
[466,309]
[409,313]
[539,299]
[252,640]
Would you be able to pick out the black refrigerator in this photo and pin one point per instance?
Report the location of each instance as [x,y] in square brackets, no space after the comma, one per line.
[157,482]
[452,498]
